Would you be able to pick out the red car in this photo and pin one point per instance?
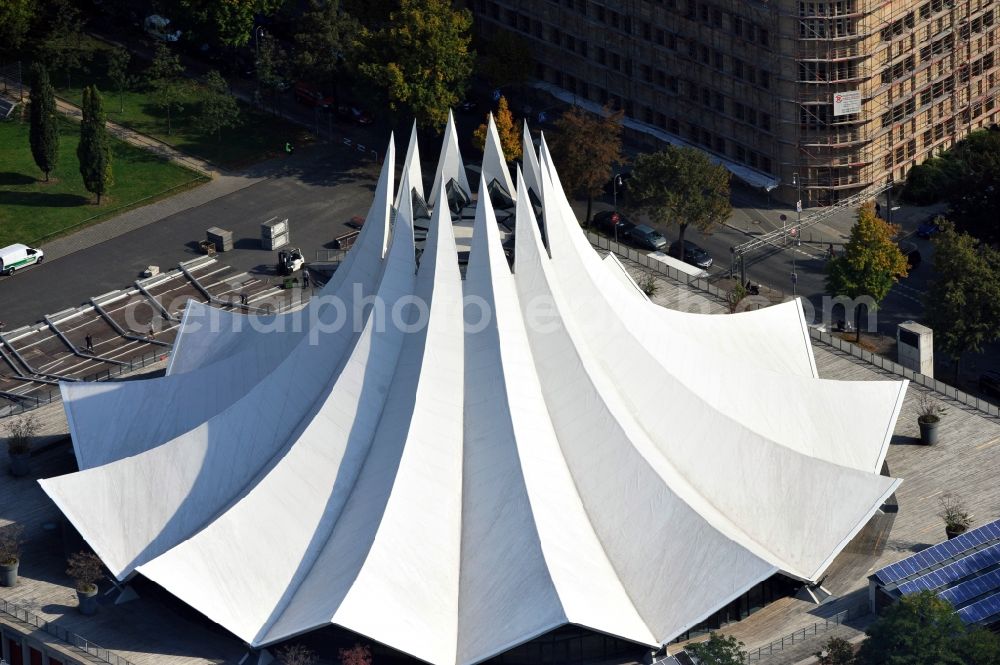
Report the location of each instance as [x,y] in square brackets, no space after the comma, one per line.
[310,95]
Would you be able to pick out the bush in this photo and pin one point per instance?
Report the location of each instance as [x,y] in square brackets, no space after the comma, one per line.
[85,569]
[10,543]
[19,434]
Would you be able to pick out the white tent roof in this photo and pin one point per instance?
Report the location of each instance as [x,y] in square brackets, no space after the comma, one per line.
[467,464]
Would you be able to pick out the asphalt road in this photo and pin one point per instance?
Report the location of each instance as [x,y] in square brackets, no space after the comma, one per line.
[318,200]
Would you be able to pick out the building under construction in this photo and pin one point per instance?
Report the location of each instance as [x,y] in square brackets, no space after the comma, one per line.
[814,100]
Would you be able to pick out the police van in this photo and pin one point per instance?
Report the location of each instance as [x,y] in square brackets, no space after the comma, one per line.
[18,256]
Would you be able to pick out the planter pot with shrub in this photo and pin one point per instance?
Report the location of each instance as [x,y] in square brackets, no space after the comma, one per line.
[929,417]
[8,573]
[85,569]
[20,431]
[954,530]
[928,429]
[956,516]
[87,599]
[10,553]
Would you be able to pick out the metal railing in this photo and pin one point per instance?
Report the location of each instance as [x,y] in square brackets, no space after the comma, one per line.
[887,365]
[883,363]
[803,634]
[69,637]
[32,401]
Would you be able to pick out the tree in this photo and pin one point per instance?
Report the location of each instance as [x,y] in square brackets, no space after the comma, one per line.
[680,186]
[837,651]
[921,629]
[420,60]
[296,654]
[718,650]
[271,65]
[15,21]
[506,60]
[94,151]
[62,47]
[963,301]
[44,132]
[975,194]
[118,62]
[979,647]
[507,129]
[219,109]
[328,34]
[586,148]
[871,263]
[230,23]
[356,655]
[164,77]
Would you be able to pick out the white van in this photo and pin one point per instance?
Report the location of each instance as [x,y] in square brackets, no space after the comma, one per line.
[18,256]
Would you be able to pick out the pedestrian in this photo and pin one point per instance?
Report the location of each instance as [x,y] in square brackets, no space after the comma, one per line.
[878,209]
[305,278]
[152,331]
[89,341]
[831,252]
[243,299]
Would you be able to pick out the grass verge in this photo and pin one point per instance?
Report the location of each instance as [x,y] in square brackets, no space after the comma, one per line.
[32,210]
[257,136]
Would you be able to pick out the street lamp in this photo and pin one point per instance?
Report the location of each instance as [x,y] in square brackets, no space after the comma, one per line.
[798,202]
[615,183]
[258,32]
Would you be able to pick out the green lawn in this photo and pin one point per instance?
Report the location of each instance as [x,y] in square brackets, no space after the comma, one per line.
[31,209]
[257,137]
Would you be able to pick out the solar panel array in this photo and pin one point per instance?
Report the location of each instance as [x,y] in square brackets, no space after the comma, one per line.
[965,571]
[964,567]
[6,108]
[982,611]
[932,556]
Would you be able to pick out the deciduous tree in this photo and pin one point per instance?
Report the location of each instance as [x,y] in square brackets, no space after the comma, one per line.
[219,109]
[94,150]
[963,302]
[62,47]
[420,60]
[15,21]
[923,629]
[718,650]
[230,23]
[166,82]
[682,186]
[118,62]
[44,130]
[586,148]
[272,62]
[327,35]
[871,263]
[356,655]
[507,129]
[296,654]
[836,651]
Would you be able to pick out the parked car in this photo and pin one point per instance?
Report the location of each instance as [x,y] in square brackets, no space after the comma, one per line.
[930,228]
[352,113]
[692,254]
[646,237]
[15,257]
[607,220]
[989,383]
[310,95]
[911,252]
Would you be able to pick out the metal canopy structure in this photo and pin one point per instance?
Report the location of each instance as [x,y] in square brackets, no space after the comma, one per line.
[462,465]
[965,571]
